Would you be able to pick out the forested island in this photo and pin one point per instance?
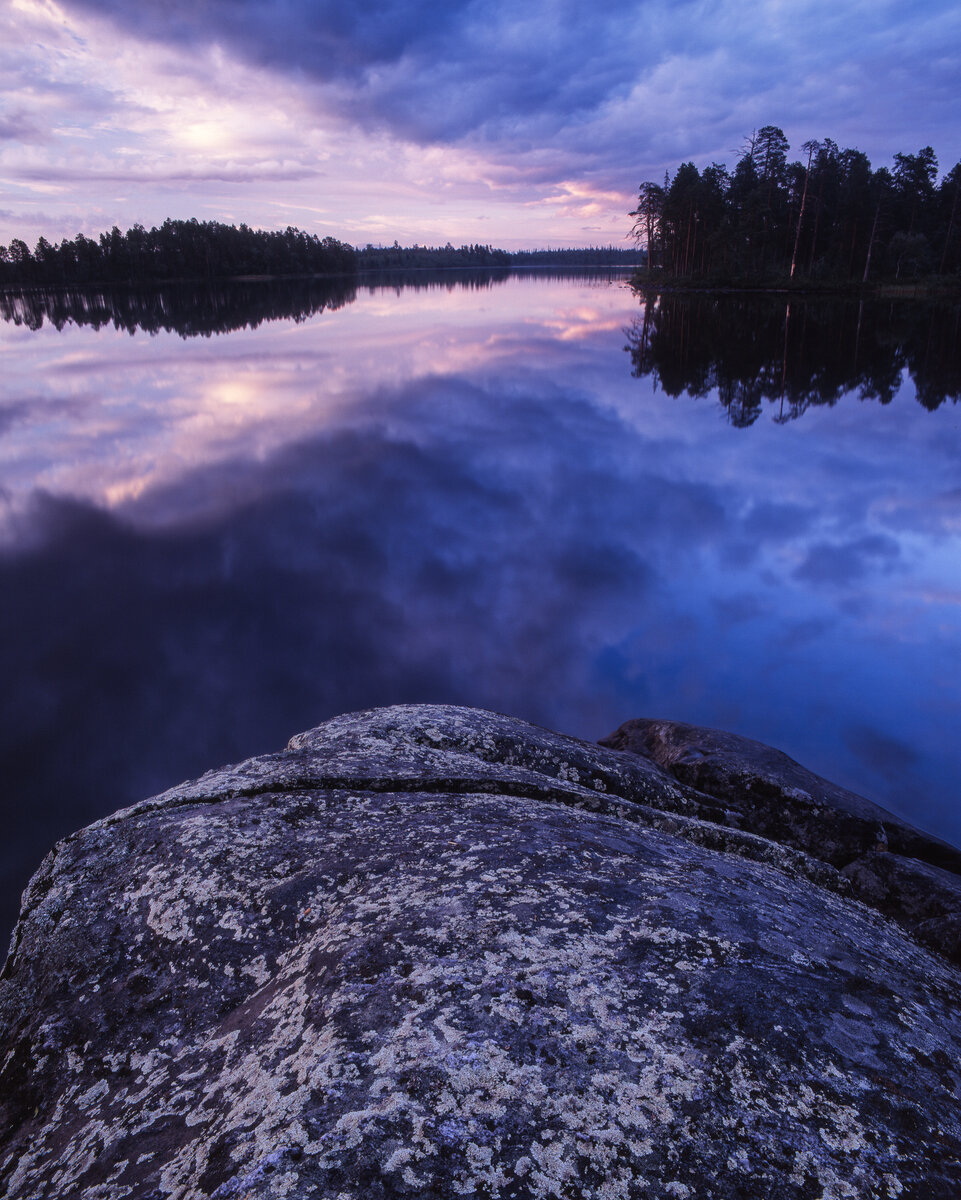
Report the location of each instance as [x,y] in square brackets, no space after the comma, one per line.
[826,219]
[186,251]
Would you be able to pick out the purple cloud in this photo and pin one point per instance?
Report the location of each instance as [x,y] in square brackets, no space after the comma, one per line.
[638,80]
[427,119]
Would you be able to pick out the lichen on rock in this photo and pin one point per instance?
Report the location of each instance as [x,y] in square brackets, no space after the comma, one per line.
[430,951]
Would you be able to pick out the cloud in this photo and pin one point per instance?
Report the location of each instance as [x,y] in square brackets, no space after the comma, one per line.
[265,172]
[19,125]
[641,80]
[939,513]
[734,610]
[473,120]
[428,70]
[841,564]
[769,519]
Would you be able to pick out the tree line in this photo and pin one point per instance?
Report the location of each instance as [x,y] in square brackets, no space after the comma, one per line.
[826,217]
[175,250]
[405,258]
[399,257]
[211,250]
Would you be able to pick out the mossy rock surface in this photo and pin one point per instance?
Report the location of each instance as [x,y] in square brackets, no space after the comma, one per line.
[437,952]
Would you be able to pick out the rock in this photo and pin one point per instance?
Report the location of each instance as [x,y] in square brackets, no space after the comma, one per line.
[922,898]
[913,878]
[436,952]
[776,797]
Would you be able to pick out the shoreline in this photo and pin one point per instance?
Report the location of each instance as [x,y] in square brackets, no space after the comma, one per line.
[938,291]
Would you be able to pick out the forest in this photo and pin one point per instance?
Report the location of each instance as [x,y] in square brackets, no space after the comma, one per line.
[417,257]
[176,250]
[826,218]
[180,251]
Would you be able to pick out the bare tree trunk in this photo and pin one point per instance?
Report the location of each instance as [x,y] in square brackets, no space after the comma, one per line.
[817,222]
[650,248]
[947,236]
[800,216]
[874,229]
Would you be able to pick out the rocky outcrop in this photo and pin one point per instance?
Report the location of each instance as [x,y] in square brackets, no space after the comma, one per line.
[910,876]
[436,952]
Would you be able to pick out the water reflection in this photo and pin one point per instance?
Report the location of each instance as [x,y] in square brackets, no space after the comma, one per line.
[183,309]
[796,353]
[193,310]
[453,496]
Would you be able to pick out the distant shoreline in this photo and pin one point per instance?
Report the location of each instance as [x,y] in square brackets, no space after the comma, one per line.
[184,251]
[937,290]
[320,277]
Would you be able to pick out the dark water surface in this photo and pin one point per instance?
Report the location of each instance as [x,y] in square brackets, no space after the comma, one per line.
[228,515]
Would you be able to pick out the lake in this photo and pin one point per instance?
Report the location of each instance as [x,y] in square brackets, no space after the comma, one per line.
[228,514]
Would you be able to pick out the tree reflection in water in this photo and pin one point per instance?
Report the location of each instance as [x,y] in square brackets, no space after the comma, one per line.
[797,352]
[186,309]
[201,310]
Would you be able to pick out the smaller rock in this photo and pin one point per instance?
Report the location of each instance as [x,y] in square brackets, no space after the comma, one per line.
[922,899]
[911,877]
[770,794]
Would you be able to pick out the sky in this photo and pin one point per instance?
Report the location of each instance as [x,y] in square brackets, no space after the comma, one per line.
[510,122]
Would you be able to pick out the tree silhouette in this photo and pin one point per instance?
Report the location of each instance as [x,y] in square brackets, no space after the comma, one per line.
[827,218]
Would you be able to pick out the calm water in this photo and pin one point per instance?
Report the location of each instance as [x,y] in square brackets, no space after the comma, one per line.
[533,494]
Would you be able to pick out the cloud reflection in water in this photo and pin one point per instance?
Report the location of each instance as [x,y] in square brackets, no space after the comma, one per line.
[445,498]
